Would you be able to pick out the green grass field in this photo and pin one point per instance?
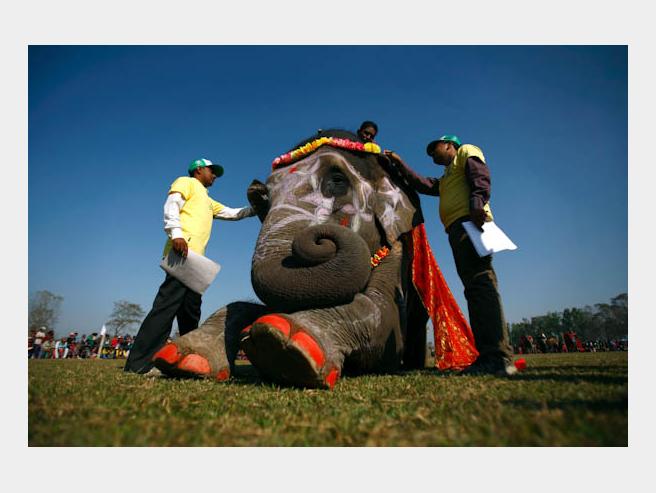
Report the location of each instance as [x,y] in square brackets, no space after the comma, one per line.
[560,400]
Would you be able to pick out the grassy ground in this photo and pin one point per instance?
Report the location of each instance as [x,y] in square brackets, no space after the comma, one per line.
[560,400]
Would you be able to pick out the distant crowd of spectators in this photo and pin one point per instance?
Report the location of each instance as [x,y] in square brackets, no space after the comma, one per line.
[567,342]
[42,344]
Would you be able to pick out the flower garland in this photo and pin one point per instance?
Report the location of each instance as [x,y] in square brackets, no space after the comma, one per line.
[380,254]
[310,147]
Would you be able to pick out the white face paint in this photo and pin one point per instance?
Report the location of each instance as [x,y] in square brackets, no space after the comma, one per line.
[323,206]
[287,208]
[296,197]
[311,207]
[394,201]
[360,209]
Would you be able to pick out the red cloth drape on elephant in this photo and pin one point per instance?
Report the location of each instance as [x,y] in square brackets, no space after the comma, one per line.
[454,340]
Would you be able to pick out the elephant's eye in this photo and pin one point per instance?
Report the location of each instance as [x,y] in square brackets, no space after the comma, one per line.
[334,184]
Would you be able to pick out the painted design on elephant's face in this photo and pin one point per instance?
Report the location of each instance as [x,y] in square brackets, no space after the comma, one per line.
[323,206]
[286,206]
[297,197]
[360,208]
[394,200]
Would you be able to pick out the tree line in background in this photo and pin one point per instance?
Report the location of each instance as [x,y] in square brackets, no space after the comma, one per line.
[602,321]
[44,308]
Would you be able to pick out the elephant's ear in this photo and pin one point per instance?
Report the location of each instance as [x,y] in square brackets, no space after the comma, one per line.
[396,207]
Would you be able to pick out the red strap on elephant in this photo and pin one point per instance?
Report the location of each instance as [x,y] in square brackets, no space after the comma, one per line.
[454,340]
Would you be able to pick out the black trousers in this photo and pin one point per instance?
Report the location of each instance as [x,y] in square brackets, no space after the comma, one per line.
[173,300]
[486,315]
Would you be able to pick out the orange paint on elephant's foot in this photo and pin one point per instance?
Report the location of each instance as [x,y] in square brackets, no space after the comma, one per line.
[288,354]
[277,322]
[195,364]
[223,375]
[168,355]
[308,345]
[332,378]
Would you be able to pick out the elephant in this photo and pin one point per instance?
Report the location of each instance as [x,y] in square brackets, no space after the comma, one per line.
[335,267]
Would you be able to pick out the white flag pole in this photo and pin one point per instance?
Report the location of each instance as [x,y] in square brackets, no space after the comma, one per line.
[103,331]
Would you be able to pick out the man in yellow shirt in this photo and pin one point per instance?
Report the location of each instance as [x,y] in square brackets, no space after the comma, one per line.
[188,215]
[464,191]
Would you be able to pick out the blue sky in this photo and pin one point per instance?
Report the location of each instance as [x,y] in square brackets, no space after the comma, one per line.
[110,127]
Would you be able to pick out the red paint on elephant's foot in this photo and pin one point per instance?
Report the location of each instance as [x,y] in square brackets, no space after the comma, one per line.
[223,375]
[308,345]
[196,364]
[287,354]
[169,354]
[332,378]
[277,322]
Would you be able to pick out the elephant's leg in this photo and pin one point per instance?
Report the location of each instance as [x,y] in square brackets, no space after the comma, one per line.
[309,348]
[210,350]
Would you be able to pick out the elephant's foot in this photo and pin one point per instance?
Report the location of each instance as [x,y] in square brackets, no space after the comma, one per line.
[209,350]
[176,361]
[286,353]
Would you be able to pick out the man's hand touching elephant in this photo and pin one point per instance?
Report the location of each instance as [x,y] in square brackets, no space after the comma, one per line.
[180,246]
[392,155]
[395,163]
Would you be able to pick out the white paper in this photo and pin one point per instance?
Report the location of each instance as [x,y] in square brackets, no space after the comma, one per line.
[490,240]
[196,271]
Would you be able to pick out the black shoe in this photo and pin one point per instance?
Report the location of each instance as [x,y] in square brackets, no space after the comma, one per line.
[498,367]
[140,371]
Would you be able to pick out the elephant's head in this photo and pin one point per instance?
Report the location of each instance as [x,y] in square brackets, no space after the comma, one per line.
[326,209]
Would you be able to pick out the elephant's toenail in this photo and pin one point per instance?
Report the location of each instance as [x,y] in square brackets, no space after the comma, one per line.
[168,354]
[223,375]
[332,377]
[195,363]
[309,346]
[276,321]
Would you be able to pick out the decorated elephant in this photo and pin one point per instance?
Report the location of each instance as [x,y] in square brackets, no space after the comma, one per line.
[344,271]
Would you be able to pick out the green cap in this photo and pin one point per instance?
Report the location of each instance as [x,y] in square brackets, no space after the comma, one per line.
[445,138]
[450,138]
[202,163]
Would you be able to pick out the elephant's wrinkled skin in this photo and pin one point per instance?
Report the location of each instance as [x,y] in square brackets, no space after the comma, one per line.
[326,311]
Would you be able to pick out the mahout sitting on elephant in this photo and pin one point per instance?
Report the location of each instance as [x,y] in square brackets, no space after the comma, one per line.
[345,274]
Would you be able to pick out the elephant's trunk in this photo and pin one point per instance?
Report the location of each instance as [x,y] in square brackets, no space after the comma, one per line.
[327,266]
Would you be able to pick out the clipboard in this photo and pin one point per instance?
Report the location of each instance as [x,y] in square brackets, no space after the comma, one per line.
[196,271]
[490,240]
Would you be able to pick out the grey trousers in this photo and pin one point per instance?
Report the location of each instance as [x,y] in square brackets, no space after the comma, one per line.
[486,316]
